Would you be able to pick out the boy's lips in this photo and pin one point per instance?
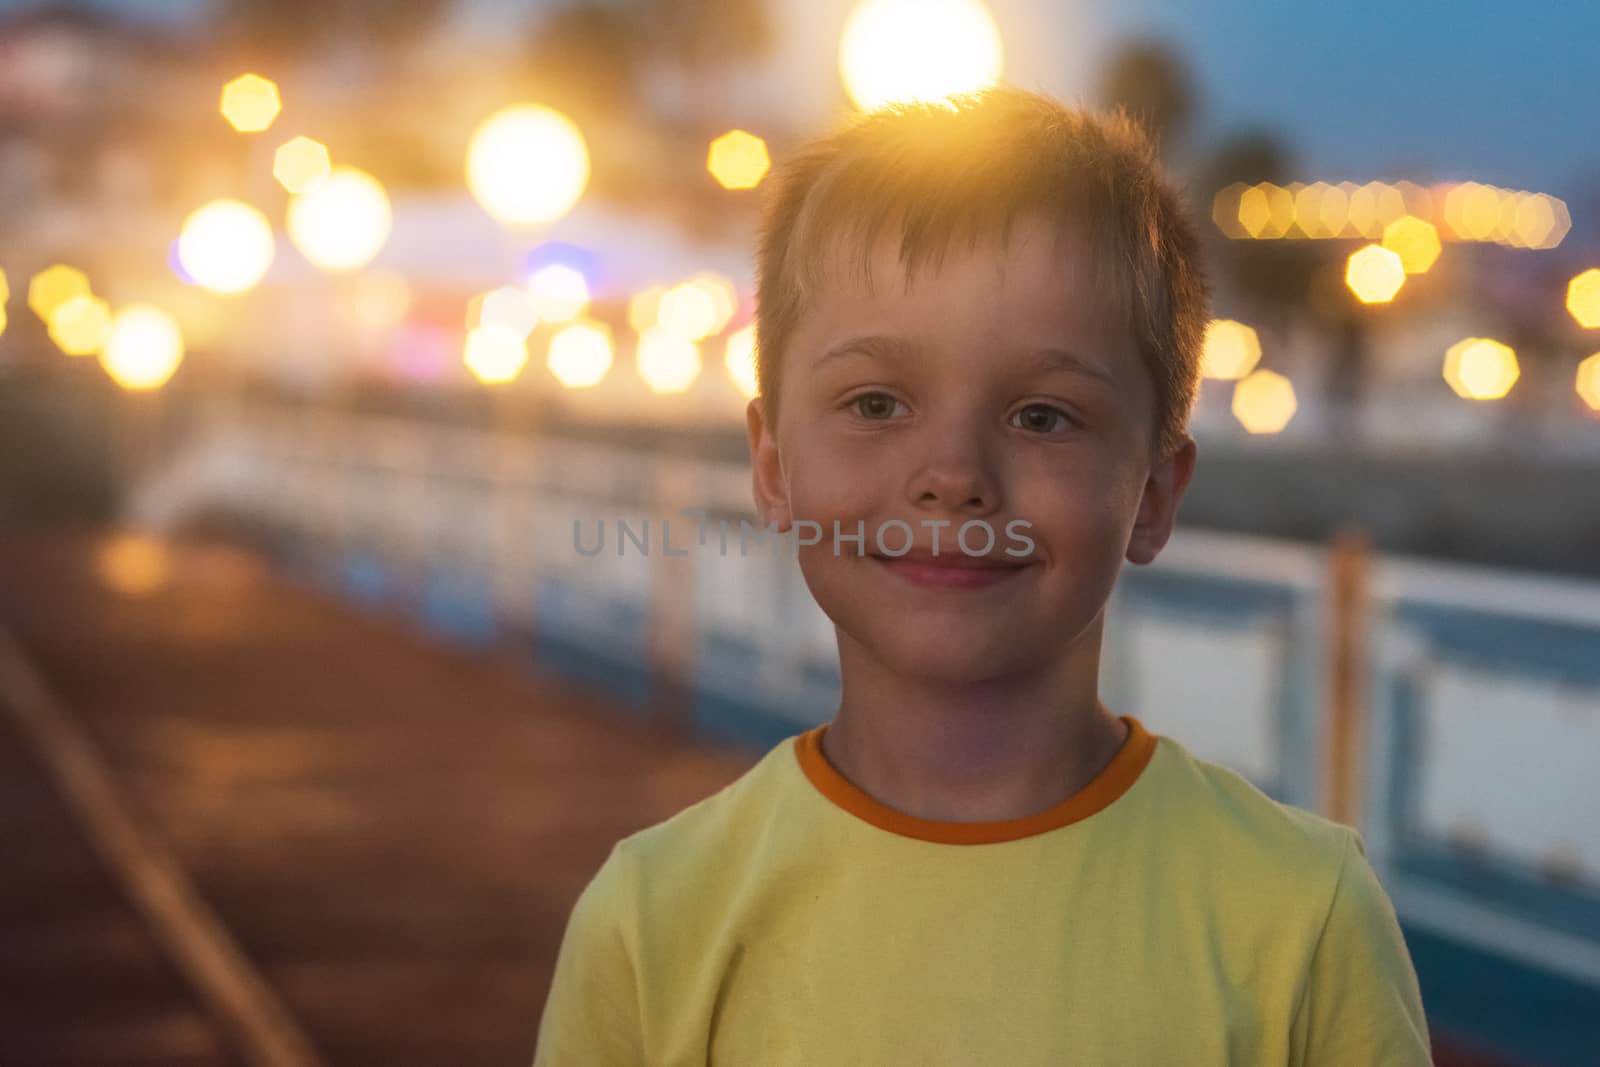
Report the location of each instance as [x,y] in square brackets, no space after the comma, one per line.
[952,570]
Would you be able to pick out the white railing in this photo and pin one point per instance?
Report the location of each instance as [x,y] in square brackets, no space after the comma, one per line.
[1468,756]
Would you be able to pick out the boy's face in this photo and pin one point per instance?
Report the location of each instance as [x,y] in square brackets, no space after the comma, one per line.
[992,391]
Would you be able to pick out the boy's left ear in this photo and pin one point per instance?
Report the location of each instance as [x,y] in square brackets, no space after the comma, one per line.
[1158,508]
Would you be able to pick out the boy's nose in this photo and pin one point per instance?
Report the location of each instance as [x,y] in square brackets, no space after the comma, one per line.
[956,476]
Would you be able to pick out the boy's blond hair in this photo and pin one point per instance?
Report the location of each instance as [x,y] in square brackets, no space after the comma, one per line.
[967,167]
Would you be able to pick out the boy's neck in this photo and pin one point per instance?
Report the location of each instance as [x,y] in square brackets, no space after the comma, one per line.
[1002,749]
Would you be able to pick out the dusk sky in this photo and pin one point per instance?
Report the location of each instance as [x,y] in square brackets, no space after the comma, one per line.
[1454,89]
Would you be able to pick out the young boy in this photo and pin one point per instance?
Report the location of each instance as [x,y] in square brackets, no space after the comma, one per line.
[979,333]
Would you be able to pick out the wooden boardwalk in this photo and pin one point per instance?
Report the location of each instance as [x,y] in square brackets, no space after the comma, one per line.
[391,831]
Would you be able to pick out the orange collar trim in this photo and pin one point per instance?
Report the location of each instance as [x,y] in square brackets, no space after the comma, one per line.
[1114,779]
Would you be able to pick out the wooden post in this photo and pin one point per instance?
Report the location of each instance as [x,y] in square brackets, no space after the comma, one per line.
[672,606]
[1344,713]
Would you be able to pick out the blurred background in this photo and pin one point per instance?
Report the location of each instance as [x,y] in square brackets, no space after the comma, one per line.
[324,323]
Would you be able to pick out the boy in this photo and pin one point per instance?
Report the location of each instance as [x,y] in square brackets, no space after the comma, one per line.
[980,325]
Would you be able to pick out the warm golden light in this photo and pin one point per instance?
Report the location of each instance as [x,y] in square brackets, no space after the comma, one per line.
[1231,350]
[644,309]
[1589,382]
[250,103]
[689,311]
[1228,211]
[724,297]
[508,307]
[1480,211]
[581,354]
[1479,368]
[738,160]
[143,348]
[226,246]
[906,50]
[1363,211]
[527,164]
[495,354]
[1416,243]
[1374,274]
[668,363]
[1583,298]
[1255,211]
[1264,402]
[133,566]
[300,163]
[342,221]
[740,359]
[79,327]
[560,293]
[380,299]
[54,286]
[1308,209]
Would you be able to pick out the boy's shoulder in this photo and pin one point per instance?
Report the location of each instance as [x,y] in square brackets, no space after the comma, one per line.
[717,823]
[1207,802]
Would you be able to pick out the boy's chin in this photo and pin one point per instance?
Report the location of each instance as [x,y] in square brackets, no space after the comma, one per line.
[945,657]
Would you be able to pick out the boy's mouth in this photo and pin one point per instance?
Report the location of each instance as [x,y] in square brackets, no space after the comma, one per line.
[951,570]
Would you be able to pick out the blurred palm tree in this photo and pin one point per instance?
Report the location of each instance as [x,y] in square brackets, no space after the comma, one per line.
[1150,80]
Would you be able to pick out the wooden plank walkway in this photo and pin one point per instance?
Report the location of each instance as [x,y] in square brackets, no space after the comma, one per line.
[393,831]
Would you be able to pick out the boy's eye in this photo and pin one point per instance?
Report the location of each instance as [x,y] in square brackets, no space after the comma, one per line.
[875,405]
[1042,418]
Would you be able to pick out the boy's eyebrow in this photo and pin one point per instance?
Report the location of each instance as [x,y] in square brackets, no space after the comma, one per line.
[877,346]
[1062,359]
[881,346]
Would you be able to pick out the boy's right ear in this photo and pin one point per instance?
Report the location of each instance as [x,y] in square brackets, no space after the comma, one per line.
[766,466]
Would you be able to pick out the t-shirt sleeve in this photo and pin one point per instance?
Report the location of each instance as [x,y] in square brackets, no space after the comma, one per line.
[1361,1002]
[591,1017]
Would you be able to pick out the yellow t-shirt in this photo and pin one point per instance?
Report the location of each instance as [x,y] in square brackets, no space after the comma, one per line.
[1168,913]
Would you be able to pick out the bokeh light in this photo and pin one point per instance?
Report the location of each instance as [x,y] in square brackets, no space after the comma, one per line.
[738,160]
[495,354]
[509,307]
[560,293]
[1479,368]
[581,354]
[80,326]
[250,103]
[341,222]
[1231,350]
[1588,382]
[143,348]
[133,565]
[668,363]
[527,164]
[1228,212]
[54,286]
[226,246]
[644,307]
[905,50]
[689,311]
[740,360]
[1264,402]
[1374,274]
[1583,298]
[300,163]
[1415,241]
